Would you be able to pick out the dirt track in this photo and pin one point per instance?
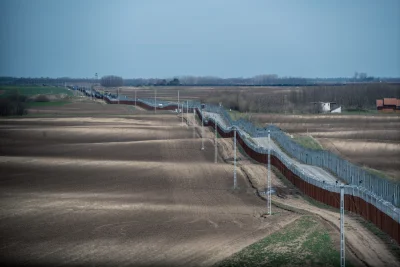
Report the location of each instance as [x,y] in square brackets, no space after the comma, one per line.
[362,246]
[128,191]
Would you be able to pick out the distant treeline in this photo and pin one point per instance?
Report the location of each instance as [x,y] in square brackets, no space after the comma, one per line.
[111,81]
[360,97]
[260,80]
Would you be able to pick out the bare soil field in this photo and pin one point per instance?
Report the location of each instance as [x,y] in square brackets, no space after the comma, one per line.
[372,140]
[193,92]
[84,106]
[121,191]
[81,188]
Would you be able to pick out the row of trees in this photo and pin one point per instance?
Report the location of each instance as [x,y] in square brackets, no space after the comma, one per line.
[13,104]
[300,100]
[268,79]
[216,81]
[111,81]
[259,80]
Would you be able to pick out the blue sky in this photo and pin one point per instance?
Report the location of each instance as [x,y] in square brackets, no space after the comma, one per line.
[160,38]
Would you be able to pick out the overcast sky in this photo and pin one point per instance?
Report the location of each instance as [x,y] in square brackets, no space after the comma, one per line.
[165,38]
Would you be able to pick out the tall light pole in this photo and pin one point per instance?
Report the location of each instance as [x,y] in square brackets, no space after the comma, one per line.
[216,142]
[342,239]
[194,122]
[269,174]
[342,244]
[202,132]
[96,77]
[234,159]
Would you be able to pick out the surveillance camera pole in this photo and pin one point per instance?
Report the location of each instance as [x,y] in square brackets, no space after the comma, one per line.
[269,174]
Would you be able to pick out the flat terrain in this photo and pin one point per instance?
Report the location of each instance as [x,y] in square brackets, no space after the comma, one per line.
[93,184]
[34,90]
[370,140]
[135,191]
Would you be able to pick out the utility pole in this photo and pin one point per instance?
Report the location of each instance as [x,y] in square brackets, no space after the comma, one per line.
[216,142]
[342,244]
[269,174]
[96,77]
[342,239]
[234,159]
[202,131]
[194,122]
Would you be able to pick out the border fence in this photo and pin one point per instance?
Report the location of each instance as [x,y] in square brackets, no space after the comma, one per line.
[368,195]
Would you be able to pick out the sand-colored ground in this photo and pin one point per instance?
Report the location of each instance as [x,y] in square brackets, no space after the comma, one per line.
[137,190]
[121,191]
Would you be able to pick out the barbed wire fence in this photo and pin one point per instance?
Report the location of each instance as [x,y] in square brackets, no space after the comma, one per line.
[381,193]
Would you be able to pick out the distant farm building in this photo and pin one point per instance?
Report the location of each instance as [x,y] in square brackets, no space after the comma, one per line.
[388,105]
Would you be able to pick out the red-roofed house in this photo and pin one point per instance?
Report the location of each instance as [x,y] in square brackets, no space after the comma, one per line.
[388,105]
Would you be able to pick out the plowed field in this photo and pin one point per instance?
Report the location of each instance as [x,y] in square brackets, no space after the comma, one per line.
[121,191]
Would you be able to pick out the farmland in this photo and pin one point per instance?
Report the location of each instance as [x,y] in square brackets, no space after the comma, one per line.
[88,183]
[368,139]
[34,90]
[131,190]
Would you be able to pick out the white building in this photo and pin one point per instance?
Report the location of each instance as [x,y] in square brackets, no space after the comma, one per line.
[328,107]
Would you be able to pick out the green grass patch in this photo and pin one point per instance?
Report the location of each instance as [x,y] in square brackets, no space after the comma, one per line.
[46,104]
[307,142]
[378,173]
[359,112]
[236,115]
[34,90]
[305,242]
